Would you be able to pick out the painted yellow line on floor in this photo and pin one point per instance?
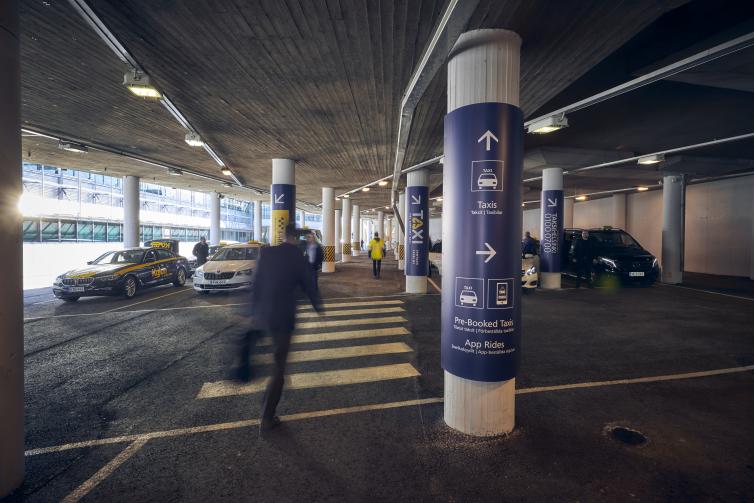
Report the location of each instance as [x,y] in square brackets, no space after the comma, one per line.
[351,312]
[340,336]
[431,282]
[375,302]
[349,323]
[313,380]
[338,353]
[104,472]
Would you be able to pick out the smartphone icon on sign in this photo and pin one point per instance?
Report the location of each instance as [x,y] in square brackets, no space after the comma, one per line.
[502,294]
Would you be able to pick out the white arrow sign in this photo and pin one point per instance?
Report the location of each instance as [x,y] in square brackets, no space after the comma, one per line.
[551,203]
[279,198]
[416,199]
[490,252]
[488,136]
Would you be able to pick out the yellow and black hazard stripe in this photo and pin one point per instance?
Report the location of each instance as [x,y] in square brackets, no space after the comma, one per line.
[401,252]
[329,252]
[346,248]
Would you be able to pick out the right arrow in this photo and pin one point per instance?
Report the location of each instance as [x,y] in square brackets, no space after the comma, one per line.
[490,252]
[279,198]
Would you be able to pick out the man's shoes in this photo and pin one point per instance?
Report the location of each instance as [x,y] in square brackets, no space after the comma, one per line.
[268,425]
[243,375]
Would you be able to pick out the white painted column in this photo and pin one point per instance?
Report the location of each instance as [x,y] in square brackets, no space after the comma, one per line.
[619,211]
[346,231]
[328,229]
[11,256]
[568,213]
[388,233]
[484,68]
[417,284]
[673,223]
[282,211]
[336,237]
[131,208]
[552,179]
[401,235]
[258,220]
[303,219]
[381,224]
[356,225]
[214,219]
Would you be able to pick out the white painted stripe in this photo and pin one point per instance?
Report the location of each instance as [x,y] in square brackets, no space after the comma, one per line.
[348,323]
[375,302]
[351,312]
[349,410]
[104,472]
[750,299]
[434,285]
[313,380]
[340,336]
[338,353]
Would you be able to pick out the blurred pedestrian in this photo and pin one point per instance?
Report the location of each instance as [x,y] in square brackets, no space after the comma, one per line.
[280,270]
[201,251]
[315,257]
[528,245]
[584,256]
[376,252]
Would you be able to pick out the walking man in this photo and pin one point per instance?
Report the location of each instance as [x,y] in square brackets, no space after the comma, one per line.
[528,245]
[315,257]
[376,250]
[201,251]
[583,254]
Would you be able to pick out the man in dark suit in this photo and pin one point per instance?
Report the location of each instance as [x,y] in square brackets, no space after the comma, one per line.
[584,256]
[280,270]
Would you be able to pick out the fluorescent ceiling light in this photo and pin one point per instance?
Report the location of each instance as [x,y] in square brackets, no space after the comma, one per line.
[387,207]
[225,171]
[138,83]
[642,189]
[548,124]
[439,199]
[581,198]
[194,139]
[174,172]
[383,183]
[651,159]
[365,189]
[73,147]
[346,196]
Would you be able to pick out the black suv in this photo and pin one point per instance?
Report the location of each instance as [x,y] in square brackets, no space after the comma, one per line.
[616,255]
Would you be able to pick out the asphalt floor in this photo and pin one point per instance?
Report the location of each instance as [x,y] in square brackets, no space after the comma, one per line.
[130,400]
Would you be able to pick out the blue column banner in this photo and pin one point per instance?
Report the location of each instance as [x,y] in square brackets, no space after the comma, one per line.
[551,231]
[417,230]
[481,295]
[283,206]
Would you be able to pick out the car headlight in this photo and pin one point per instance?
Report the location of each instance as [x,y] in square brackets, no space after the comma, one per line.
[655,263]
[199,273]
[531,270]
[245,272]
[609,262]
[109,277]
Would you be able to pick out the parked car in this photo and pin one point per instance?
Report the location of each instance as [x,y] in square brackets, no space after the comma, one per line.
[122,272]
[229,268]
[617,256]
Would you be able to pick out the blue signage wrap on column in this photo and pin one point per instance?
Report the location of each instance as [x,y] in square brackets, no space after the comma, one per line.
[417,231]
[481,294]
[552,231]
[283,206]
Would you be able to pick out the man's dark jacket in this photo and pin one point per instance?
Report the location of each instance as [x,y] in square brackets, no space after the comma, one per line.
[279,271]
[583,250]
[201,250]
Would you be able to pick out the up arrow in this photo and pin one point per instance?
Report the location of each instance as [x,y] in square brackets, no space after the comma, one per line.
[551,203]
[490,252]
[488,136]
[279,198]
[416,199]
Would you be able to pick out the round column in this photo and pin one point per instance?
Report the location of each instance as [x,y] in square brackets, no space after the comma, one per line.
[258,220]
[673,223]
[214,219]
[282,198]
[338,242]
[388,233]
[356,229]
[401,234]
[131,207]
[568,213]
[417,231]
[551,228]
[381,224]
[482,223]
[346,230]
[328,229]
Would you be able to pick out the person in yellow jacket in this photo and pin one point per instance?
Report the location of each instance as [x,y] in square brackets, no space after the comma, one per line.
[376,251]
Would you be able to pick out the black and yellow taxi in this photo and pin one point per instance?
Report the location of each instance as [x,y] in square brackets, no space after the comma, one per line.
[122,272]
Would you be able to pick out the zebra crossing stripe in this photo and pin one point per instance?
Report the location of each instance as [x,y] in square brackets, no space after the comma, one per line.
[375,302]
[339,353]
[352,312]
[340,336]
[348,323]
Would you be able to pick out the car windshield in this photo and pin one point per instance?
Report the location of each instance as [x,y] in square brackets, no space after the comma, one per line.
[487,176]
[251,253]
[120,257]
[613,239]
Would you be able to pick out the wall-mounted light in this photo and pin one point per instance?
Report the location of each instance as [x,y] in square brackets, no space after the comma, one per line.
[548,124]
[651,159]
[71,146]
[642,189]
[138,83]
[174,172]
[581,198]
[193,139]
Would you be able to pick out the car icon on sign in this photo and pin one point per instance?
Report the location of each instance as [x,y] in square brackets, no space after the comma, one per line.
[468,297]
[487,181]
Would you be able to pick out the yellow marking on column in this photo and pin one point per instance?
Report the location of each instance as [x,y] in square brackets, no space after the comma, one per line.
[313,380]
[352,312]
[347,323]
[339,353]
[375,302]
[341,336]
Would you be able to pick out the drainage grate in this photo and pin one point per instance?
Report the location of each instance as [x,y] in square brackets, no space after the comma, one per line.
[627,436]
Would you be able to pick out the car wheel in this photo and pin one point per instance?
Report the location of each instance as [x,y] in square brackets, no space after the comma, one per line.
[70,299]
[129,287]
[180,277]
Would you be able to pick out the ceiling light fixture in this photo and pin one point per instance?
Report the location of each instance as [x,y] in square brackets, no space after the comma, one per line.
[346,196]
[138,83]
[225,171]
[642,189]
[174,172]
[581,198]
[548,124]
[365,189]
[71,146]
[651,159]
[382,183]
[194,139]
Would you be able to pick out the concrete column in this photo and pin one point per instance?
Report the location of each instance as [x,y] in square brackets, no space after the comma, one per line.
[11,256]
[346,231]
[282,198]
[258,220]
[131,208]
[416,278]
[338,242]
[328,229]
[388,232]
[214,219]
[356,227]
[673,227]
[483,68]
[401,235]
[619,211]
[381,224]
[552,180]
[568,213]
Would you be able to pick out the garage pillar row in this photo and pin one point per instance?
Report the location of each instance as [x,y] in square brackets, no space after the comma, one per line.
[258,220]
[328,229]
[345,228]
[401,245]
[356,226]
[673,227]
[214,219]
[131,207]
[11,255]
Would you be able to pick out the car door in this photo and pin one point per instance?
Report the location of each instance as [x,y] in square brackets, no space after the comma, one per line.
[148,273]
[167,265]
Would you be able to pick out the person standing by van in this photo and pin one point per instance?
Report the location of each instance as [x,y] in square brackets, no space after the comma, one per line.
[376,252]
[201,251]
